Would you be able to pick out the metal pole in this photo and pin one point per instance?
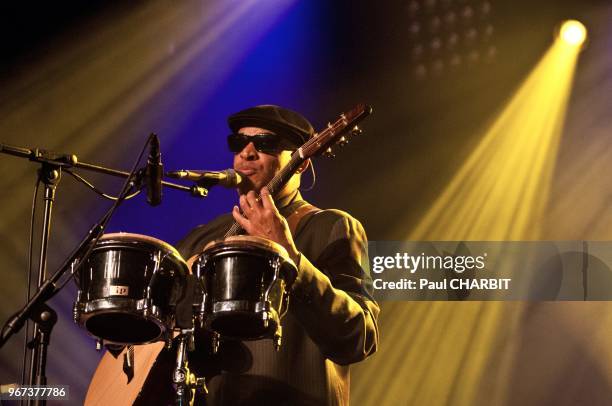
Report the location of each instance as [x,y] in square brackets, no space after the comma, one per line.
[50,175]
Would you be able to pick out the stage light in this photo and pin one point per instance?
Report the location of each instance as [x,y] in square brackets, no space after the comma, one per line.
[491,53]
[499,193]
[413,7]
[435,45]
[470,35]
[573,32]
[450,18]
[485,9]
[415,29]
[434,24]
[502,188]
[452,40]
[455,61]
[417,52]
[420,72]
[467,13]
[438,66]
[444,26]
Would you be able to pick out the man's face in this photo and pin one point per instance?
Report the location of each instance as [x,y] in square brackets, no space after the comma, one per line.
[258,168]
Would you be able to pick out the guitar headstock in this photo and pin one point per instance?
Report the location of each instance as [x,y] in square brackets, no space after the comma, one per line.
[342,141]
[336,133]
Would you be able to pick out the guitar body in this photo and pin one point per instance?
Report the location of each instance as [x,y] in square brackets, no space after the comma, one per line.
[110,386]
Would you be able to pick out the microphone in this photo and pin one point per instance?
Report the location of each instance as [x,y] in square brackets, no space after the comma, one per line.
[154,173]
[228,178]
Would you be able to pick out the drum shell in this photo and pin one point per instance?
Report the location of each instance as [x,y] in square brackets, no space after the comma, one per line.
[128,289]
[244,284]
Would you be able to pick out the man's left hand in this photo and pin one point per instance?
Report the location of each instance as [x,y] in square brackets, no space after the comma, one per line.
[261,218]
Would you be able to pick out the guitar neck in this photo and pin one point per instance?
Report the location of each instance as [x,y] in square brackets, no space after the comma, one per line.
[274,186]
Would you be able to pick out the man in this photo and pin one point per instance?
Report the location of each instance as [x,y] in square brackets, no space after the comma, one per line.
[332,319]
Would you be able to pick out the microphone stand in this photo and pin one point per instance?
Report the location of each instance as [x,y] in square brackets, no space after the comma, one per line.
[71,161]
[44,316]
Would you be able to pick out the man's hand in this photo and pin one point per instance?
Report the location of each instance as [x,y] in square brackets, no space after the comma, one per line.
[262,219]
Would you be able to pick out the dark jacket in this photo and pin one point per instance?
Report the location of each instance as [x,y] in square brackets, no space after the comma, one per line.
[331,323]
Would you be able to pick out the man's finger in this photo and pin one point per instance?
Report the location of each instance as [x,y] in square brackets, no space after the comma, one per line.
[240,219]
[251,198]
[244,204]
[266,199]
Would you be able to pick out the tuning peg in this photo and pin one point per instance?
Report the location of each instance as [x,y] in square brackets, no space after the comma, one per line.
[329,153]
[342,141]
[356,131]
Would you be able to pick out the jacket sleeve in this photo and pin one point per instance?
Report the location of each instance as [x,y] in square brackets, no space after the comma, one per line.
[331,295]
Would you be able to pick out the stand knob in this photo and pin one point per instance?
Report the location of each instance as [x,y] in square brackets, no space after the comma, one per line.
[215,342]
[278,338]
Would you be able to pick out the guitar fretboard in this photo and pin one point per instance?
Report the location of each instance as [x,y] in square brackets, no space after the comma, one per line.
[274,186]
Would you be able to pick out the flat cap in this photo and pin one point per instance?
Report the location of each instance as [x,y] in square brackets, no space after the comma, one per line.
[281,121]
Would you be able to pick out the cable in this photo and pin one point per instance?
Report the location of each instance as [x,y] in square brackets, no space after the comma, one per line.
[314,178]
[30,251]
[95,189]
[106,218]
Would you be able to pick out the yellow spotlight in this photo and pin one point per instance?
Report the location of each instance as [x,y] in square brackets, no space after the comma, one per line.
[441,353]
[573,32]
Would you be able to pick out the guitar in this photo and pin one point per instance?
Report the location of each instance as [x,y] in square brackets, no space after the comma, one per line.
[110,385]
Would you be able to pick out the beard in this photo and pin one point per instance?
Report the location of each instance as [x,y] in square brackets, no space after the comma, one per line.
[253,184]
[246,186]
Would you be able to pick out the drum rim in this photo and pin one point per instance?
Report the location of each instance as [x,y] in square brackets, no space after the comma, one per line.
[122,237]
[107,306]
[236,308]
[251,240]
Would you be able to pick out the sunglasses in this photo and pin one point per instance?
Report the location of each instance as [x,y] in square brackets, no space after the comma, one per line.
[266,143]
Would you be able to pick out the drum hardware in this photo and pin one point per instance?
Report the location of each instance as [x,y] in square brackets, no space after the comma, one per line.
[216,340]
[186,383]
[243,280]
[278,338]
[128,363]
[199,312]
